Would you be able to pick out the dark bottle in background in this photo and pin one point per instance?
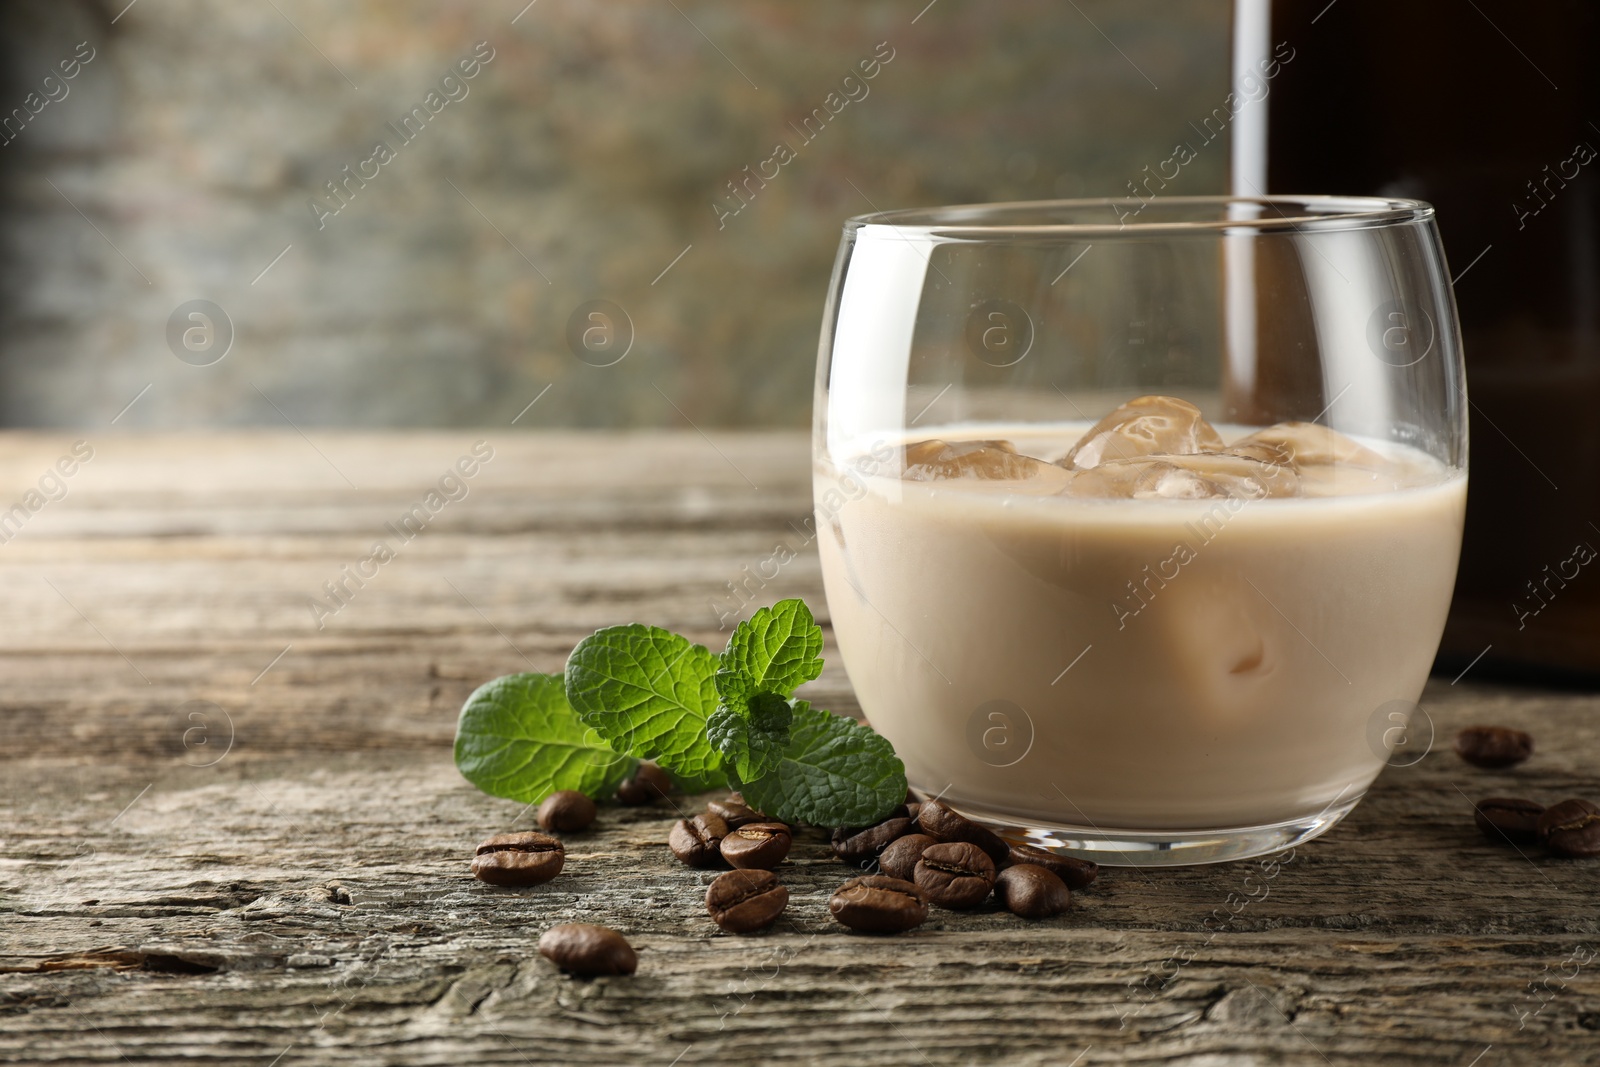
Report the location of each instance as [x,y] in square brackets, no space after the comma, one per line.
[1489,111]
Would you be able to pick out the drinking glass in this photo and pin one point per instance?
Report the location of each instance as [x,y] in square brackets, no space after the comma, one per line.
[1142,663]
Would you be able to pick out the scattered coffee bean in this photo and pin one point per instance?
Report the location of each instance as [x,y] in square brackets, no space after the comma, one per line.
[937,820]
[745,901]
[1031,892]
[1505,819]
[697,841]
[1493,746]
[955,874]
[760,845]
[566,811]
[1571,828]
[1074,872]
[649,783]
[899,860]
[912,809]
[526,858]
[861,847]
[878,905]
[587,950]
[735,813]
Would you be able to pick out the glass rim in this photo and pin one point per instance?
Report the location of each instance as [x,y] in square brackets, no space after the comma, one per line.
[1312,213]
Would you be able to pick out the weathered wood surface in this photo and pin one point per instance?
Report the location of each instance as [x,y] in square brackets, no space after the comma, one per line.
[288,884]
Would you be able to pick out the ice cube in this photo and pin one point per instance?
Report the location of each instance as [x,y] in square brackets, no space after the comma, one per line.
[1150,425]
[1259,451]
[1305,444]
[1205,476]
[936,460]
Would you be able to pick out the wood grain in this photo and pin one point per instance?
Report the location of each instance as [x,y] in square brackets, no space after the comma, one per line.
[285,878]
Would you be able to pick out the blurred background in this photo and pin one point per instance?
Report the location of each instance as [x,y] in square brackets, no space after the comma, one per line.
[165,152]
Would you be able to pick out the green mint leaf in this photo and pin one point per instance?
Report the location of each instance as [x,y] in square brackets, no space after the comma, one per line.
[518,738]
[774,651]
[833,772]
[751,743]
[648,692]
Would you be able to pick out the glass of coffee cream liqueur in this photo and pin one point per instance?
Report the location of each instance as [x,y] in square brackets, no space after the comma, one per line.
[1139,519]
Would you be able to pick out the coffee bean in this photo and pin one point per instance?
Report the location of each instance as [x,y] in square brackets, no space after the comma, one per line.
[735,813]
[696,841]
[648,783]
[1074,872]
[745,901]
[1031,892]
[912,809]
[1571,828]
[566,811]
[938,820]
[899,860]
[861,847]
[587,950]
[760,845]
[1504,819]
[955,874]
[527,858]
[878,905]
[1493,746]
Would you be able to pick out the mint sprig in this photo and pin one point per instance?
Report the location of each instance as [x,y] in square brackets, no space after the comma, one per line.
[519,739]
[640,692]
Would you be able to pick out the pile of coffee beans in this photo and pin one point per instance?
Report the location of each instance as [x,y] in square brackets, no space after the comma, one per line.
[1570,828]
[930,854]
[729,833]
[922,854]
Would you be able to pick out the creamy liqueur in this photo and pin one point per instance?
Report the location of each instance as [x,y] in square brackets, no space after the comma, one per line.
[1133,628]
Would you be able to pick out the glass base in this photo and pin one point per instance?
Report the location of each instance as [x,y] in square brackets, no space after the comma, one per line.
[1171,848]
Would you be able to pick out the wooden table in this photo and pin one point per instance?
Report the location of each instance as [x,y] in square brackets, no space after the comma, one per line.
[231,837]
